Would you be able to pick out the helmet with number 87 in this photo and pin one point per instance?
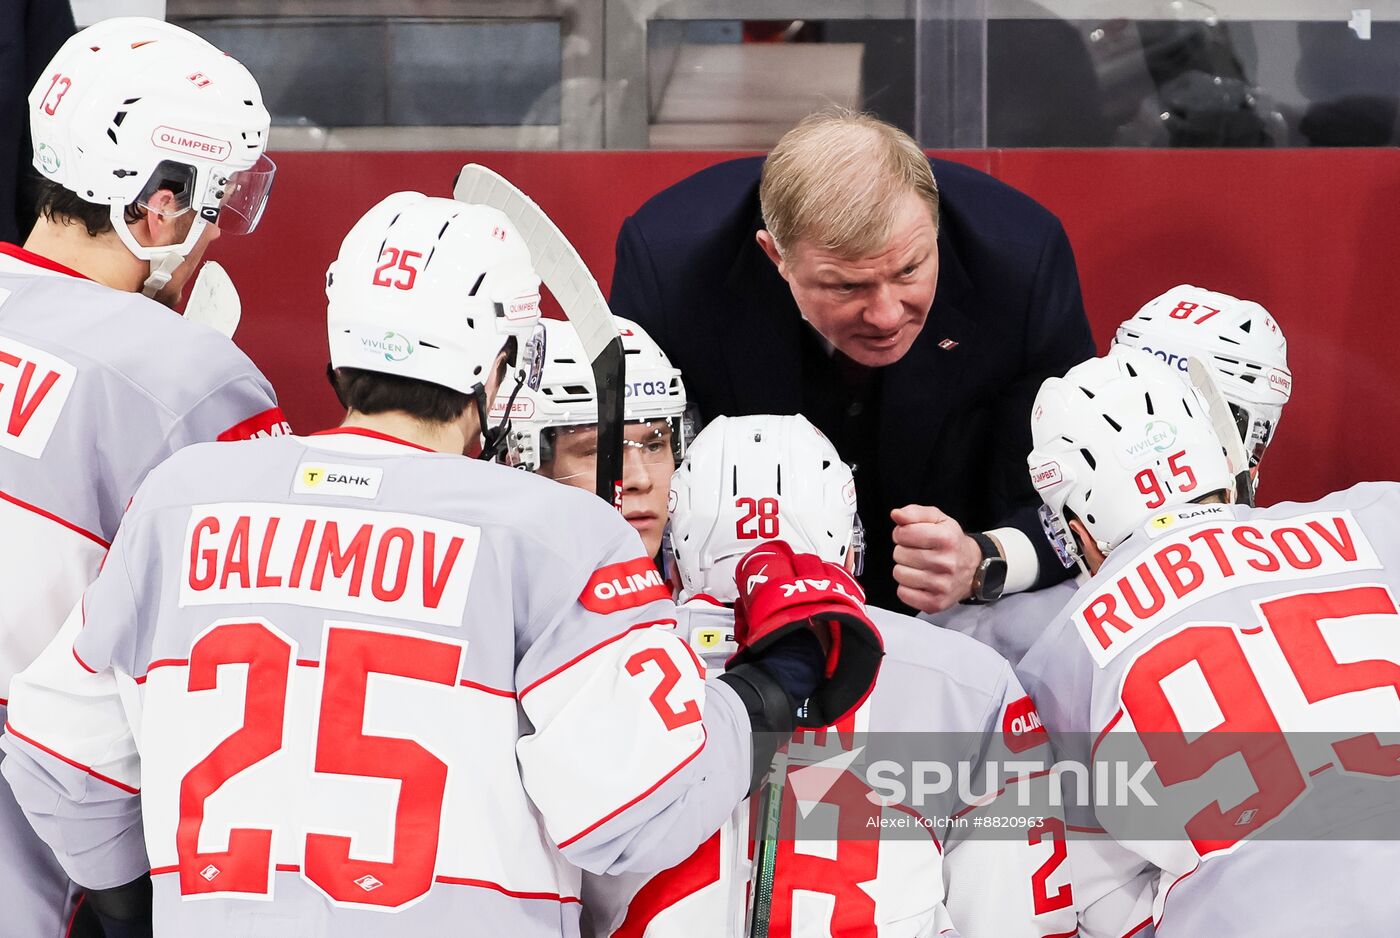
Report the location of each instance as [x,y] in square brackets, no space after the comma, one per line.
[433,289]
[1116,440]
[567,396]
[750,479]
[131,106]
[1239,340]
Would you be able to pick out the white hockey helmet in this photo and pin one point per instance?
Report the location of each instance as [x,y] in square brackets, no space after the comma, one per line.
[433,289]
[1240,341]
[1116,440]
[750,479]
[131,105]
[568,394]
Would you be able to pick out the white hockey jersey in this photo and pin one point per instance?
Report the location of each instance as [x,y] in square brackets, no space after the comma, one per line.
[1254,656]
[96,387]
[337,677]
[954,692]
[1010,625]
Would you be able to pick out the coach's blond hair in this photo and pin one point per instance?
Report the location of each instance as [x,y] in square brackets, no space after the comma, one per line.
[836,179]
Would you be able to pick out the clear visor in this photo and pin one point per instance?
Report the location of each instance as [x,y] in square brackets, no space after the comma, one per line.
[857,556]
[1257,424]
[572,452]
[244,196]
[1059,535]
[532,358]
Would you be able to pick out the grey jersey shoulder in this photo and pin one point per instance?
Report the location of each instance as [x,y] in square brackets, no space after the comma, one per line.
[142,344]
[914,644]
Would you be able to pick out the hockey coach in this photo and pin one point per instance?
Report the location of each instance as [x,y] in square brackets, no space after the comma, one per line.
[909,307]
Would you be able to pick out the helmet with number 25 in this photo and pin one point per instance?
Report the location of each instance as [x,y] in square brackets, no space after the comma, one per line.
[433,289]
[1117,440]
[746,480]
[132,105]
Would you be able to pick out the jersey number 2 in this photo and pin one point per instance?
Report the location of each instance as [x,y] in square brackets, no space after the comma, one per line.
[342,748]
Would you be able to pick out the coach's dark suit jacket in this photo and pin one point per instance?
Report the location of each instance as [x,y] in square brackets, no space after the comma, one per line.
[954,429]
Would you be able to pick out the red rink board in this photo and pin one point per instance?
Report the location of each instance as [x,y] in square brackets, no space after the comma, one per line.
[1311,234]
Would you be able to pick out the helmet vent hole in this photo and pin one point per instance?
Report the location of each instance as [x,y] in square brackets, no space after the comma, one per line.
[112,134]
[427,345]
[476,371]
[1244,326]
[1129,369]
[780,480]
[249,103]
[826,464]
[95,48]
[121,116]
[477,286]
[1147,399]
[567,361]
[1089,458]
[735,482]
[471,323]
[129,101]
[1087,393]
[1090,517]
[444,226]
[1113,423]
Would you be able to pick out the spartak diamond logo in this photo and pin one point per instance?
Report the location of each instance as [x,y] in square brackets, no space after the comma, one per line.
[368,883]
[209,872]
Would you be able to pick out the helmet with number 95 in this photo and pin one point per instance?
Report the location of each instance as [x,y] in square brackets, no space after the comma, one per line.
[433,289]
[1239,340]
[131,106]
[1117,440]
[750,479]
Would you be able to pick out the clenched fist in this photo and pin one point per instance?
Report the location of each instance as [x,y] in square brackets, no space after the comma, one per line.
[934,560]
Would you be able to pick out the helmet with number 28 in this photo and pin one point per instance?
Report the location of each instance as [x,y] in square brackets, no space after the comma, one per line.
[1117,440]
[750,479]
[1239,340]
[130,106]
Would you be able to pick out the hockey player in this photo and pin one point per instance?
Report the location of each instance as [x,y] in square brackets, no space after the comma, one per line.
[1241,342]
[150,143]
[1207,632]
[1248,355]
[339,676]
[555,429]
[747,479]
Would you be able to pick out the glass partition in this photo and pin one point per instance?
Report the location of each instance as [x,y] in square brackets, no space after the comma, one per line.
[733,74]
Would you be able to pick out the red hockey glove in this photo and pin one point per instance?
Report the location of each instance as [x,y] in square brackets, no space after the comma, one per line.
[781,591]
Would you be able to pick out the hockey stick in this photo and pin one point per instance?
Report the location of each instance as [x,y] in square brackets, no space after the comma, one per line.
[563,271]
[765,848]
[214,301]
[1203,380]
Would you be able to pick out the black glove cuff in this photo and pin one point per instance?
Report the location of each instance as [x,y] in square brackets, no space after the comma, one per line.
[772,714]
[125,911]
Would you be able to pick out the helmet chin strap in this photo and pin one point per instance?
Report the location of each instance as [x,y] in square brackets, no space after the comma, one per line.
[162,269]
[494,439]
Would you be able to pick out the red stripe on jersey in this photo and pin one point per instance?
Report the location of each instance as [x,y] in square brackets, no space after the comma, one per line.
[665,889]
[1104,732]
[484,884]
[1085,830]
[487,690]
[601,645]
[39,260]
[9,728]
[662,781]
[19,503]
[163,663]
[270,422]
[1168,896]
[1138,928]
[308,663]
[1064,934]
[372,434]
[927,825]
[74,917]
[1320,769]
[1001,791]
[84,664]
[445,880]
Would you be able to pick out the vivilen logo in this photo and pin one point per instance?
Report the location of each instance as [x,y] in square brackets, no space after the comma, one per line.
[1021,726]
[193,144]
[621,586]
